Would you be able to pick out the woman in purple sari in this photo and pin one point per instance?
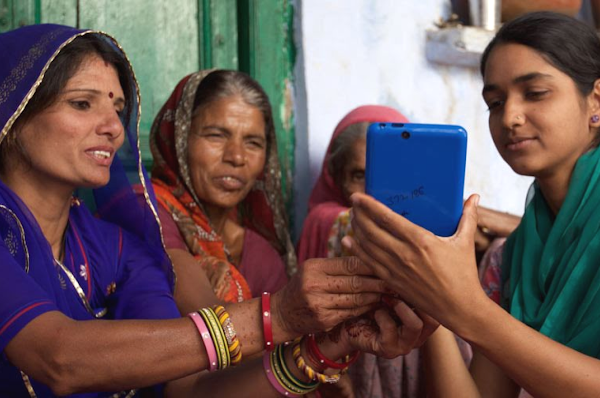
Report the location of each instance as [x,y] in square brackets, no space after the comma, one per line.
[86,303]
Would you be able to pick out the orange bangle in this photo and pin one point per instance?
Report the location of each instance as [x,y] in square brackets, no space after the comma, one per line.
[309,372]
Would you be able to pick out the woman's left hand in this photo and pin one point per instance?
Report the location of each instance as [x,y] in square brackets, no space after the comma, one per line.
[434,274]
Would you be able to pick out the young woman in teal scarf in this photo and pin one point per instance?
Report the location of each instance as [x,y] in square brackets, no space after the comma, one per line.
[542,85]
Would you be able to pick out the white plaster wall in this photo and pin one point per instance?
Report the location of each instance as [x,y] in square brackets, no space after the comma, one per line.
[355,52]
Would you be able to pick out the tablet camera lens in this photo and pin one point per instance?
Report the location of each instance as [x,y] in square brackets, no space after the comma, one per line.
[405,135]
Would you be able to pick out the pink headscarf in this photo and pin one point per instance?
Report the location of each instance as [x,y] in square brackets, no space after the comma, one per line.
[326,199]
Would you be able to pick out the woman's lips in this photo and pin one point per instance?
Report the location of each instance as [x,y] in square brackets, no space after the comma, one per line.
[230,183]
[102,156]
[518,144]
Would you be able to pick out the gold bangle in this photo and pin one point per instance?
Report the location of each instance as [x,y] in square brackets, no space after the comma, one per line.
[233,343]
[218,336]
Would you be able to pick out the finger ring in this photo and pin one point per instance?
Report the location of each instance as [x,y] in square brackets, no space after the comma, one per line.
[486,230]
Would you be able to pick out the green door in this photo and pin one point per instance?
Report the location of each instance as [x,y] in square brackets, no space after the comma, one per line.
[166,40]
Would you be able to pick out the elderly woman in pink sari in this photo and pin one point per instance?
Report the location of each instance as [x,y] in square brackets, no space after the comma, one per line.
[342,174]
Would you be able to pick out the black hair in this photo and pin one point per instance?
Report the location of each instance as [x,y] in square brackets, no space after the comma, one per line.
[63,68]
[66,64]
[568,44]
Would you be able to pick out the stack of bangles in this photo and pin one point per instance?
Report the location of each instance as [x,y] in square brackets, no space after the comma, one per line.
[223,349]
[277,370]
[219,337]
[282,379]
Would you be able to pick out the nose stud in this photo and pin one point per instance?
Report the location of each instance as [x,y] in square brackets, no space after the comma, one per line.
[595,119]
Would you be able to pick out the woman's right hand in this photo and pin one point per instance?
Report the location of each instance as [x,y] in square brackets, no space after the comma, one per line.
[437,275]
[325,293]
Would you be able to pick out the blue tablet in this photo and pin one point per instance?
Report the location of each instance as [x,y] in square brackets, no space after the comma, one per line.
[418,170]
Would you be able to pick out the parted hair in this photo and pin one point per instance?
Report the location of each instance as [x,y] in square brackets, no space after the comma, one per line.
[63,68]
[229,83]
[565,42]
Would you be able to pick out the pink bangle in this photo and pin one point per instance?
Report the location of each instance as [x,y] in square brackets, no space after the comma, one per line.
[269,372]
[267,325]
[206,339]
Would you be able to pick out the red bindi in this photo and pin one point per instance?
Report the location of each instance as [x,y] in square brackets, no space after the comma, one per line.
[110,94]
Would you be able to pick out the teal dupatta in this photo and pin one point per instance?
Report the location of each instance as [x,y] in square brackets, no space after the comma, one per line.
[553,264]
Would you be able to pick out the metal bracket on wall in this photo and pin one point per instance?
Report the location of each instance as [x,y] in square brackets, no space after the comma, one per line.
[458,45]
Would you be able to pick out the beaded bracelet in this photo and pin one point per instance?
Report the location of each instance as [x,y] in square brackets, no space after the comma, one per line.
[315,352]
[218,336]
[266,318]
[235,348]
[206,339]
[310,372]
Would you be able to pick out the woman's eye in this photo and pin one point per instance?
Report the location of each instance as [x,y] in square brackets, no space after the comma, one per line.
[80,105]
[535,95]
[213,136]
[494,104]
[358,175]
[257,144]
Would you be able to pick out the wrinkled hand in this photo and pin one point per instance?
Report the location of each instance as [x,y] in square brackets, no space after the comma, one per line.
[383,336]
[436,275]
[326,292]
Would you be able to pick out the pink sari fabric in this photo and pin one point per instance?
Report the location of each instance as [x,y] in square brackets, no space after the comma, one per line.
[401,377]
[326,199]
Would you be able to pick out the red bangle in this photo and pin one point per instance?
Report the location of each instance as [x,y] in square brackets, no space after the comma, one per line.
[267,325]
[313,349]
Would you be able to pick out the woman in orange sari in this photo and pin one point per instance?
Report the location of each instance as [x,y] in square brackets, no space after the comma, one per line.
[217,179]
